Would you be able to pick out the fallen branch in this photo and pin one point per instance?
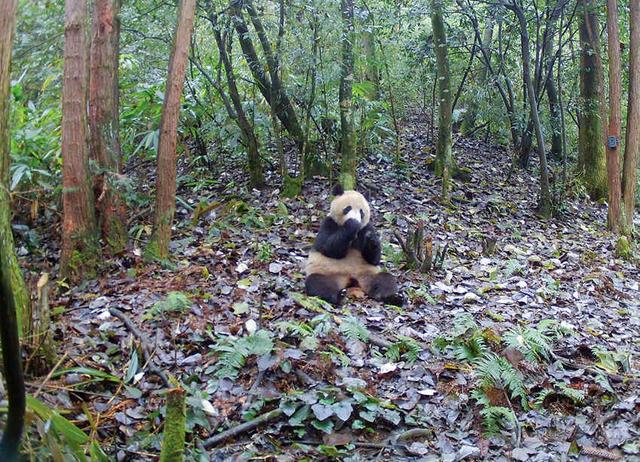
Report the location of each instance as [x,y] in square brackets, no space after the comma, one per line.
[143,344]
[419,251]
[242,428]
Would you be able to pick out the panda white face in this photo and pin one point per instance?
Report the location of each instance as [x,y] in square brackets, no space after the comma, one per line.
[350,205]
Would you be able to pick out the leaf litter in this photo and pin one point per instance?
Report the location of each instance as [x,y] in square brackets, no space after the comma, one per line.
[226,319]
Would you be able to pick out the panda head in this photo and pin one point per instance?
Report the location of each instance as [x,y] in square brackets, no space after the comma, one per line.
[349,204]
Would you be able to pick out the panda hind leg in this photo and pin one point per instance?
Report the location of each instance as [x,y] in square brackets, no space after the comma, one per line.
[383,287]
[328,288]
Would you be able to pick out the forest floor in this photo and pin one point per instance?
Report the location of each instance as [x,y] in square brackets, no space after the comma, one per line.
[350,381]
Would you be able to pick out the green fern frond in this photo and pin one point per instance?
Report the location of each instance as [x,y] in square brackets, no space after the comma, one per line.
[405,348]
[534,344]
[353,329]
[495,418]
[496,371]
[233,353]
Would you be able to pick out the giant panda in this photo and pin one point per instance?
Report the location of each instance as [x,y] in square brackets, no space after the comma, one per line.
[346,253]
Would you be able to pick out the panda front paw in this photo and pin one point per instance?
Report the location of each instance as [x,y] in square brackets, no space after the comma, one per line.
[352,227]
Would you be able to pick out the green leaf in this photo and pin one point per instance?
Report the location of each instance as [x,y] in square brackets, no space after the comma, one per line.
[133,367]
[86,371]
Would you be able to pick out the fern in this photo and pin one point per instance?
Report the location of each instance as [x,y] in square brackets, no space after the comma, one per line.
[405,348]
[354,329]
[534,344]
[496,417]
[470,349]
[495,371]
[233,354]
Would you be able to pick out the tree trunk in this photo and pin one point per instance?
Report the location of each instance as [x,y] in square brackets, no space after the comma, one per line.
[13,296]
[256,178]
[632,139]
[615,118]
[347,134]
[473,101]
[79,238]
[267,87]
[165,206]
[544,205]
[372,73]
[174,427]
[550,85]
[103,124]
[591,148]
[444,144]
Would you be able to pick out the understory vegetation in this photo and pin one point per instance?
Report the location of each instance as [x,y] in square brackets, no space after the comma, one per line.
[165,168]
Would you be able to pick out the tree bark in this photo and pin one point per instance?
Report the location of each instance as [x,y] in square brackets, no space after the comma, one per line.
[591,148]
[544,205]
[615,118]
[13,296]
[103,124]
[444,144]
[165,205]
[79,240]
[174,427]
[267,87]
[372,73]
[347,134]
[632,138]
[550,85]
[256,178]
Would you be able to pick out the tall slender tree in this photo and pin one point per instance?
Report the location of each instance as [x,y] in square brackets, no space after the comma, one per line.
[444,157]
[103,123]
[591,148]
[79,239]
[347,133]
[544,203]
[614,216]
[165,204]
[632,137]
[12,289]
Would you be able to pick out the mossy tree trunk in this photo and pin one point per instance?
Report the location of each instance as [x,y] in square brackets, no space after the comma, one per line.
[8,261]
[614,217]
[347,133]
[174,427]
[13,296]
[444,158]
[591,147]
[104,125]
[80,249]
[632,138]
[165,205]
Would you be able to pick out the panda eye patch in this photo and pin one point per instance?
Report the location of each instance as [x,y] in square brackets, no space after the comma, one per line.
[347,210]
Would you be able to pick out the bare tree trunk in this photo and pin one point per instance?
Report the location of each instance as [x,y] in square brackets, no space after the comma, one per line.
[268,87]
[165,206]
[12,289]
[632,139]
[544,205]
[444,162]
[79,238]
[549,82]
[256,178]
[591,150]
[347,134]
[615,118]
[103,124]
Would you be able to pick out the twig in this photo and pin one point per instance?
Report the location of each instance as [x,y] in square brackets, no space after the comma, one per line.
[143,345]
[242,428]
[48,377]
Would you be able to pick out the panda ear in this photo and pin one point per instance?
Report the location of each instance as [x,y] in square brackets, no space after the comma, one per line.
[337,190]
[367,195]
